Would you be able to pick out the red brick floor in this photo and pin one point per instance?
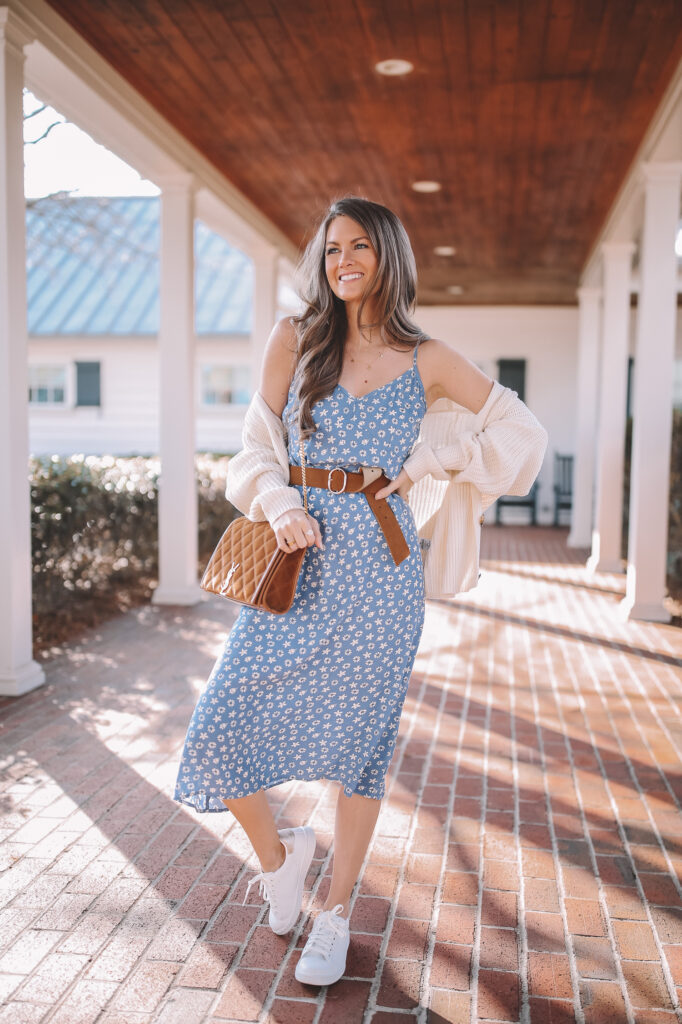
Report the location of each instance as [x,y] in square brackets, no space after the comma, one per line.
[525,866]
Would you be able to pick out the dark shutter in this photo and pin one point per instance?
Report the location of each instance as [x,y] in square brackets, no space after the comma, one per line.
[87,384]
[512,374]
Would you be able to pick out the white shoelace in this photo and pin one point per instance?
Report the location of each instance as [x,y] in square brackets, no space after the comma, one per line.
[326,926]
[266,890]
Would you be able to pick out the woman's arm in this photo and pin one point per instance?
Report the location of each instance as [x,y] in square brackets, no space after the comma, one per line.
[446,373]
[255,476]
[257,482]
[503,457]
[279,363]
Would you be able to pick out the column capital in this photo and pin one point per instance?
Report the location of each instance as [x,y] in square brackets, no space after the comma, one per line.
[176,181]
[661,172]
[617,250]
[14,30]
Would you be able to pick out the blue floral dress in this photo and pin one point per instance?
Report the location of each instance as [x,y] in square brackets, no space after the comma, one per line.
[317,692]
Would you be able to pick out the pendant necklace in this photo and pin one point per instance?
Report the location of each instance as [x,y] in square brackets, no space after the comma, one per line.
[370,365]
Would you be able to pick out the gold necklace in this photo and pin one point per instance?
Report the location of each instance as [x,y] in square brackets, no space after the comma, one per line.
[370,365]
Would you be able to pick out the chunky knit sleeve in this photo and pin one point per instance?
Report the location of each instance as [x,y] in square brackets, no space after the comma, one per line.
[504,456]
[256,485]
[258,475]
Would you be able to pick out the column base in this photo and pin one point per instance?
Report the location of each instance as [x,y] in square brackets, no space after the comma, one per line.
[596,564]
[26,678]
[575,540]
[653,611]
[185,596]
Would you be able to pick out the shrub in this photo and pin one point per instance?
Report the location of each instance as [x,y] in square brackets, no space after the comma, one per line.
[94,533]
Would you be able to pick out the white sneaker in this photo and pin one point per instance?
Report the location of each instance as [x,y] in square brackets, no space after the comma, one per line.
[323,960]
[283,888]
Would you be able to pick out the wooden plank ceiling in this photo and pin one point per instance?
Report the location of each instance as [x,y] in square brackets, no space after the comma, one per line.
[529,113]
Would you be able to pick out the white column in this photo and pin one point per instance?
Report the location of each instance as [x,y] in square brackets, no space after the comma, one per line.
[589,303]
[178,526]
[288,302]
[265,280]
[18,671]
[605,556]
[652,396]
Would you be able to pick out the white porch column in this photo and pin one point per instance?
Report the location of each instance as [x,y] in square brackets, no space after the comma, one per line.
[178,526]
[18,672]
[606,534]
[652,397]
[588,384]
[265,279]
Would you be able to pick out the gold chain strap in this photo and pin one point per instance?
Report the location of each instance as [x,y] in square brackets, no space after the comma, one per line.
[305,489]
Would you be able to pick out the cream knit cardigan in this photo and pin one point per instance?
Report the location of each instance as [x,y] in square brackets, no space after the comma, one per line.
[460,463]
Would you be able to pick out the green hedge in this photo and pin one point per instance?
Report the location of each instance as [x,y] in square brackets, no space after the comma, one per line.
[95,524]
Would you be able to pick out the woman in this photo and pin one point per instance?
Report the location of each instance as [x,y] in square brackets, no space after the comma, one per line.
[318,691]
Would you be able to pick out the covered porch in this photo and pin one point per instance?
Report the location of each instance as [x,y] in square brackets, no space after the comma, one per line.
[526,863]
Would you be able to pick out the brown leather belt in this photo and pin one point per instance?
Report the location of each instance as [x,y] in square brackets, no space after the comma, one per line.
[342,481]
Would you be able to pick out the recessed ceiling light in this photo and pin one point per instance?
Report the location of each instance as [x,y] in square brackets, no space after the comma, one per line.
[426,186]
[394,66]
[445,250]
[455,289]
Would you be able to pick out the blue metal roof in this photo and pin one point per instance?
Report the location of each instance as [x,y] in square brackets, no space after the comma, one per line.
[93,268]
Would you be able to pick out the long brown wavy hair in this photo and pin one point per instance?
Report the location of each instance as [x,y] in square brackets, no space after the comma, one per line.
[321,327]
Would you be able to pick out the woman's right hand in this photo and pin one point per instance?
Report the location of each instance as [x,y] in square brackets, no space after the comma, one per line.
[299,528]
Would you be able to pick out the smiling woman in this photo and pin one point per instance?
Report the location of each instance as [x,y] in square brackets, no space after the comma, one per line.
[358,279]
[318,692]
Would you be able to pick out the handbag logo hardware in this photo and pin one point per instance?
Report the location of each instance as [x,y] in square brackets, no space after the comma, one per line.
[230,572]
[329,479]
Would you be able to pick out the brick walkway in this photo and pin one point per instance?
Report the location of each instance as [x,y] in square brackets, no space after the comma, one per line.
[524,867]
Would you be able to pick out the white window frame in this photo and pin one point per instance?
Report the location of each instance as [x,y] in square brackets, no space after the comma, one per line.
[67,370]
[218,365]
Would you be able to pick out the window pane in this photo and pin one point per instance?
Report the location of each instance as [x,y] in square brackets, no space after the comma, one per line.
[225,385]
[512,374]
[47,384]
[87,384]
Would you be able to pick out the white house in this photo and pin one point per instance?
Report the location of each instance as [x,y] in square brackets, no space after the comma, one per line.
[93,322]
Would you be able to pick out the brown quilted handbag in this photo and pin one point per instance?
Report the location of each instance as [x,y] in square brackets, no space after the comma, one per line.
[248,567]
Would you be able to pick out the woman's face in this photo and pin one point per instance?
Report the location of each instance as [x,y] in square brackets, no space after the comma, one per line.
[350,259]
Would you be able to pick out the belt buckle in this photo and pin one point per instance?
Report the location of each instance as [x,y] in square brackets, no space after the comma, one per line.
[329,479]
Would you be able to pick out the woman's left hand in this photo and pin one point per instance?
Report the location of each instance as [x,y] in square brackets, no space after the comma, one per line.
[401,484]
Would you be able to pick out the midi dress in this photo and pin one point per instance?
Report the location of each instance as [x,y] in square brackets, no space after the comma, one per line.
[317,692]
